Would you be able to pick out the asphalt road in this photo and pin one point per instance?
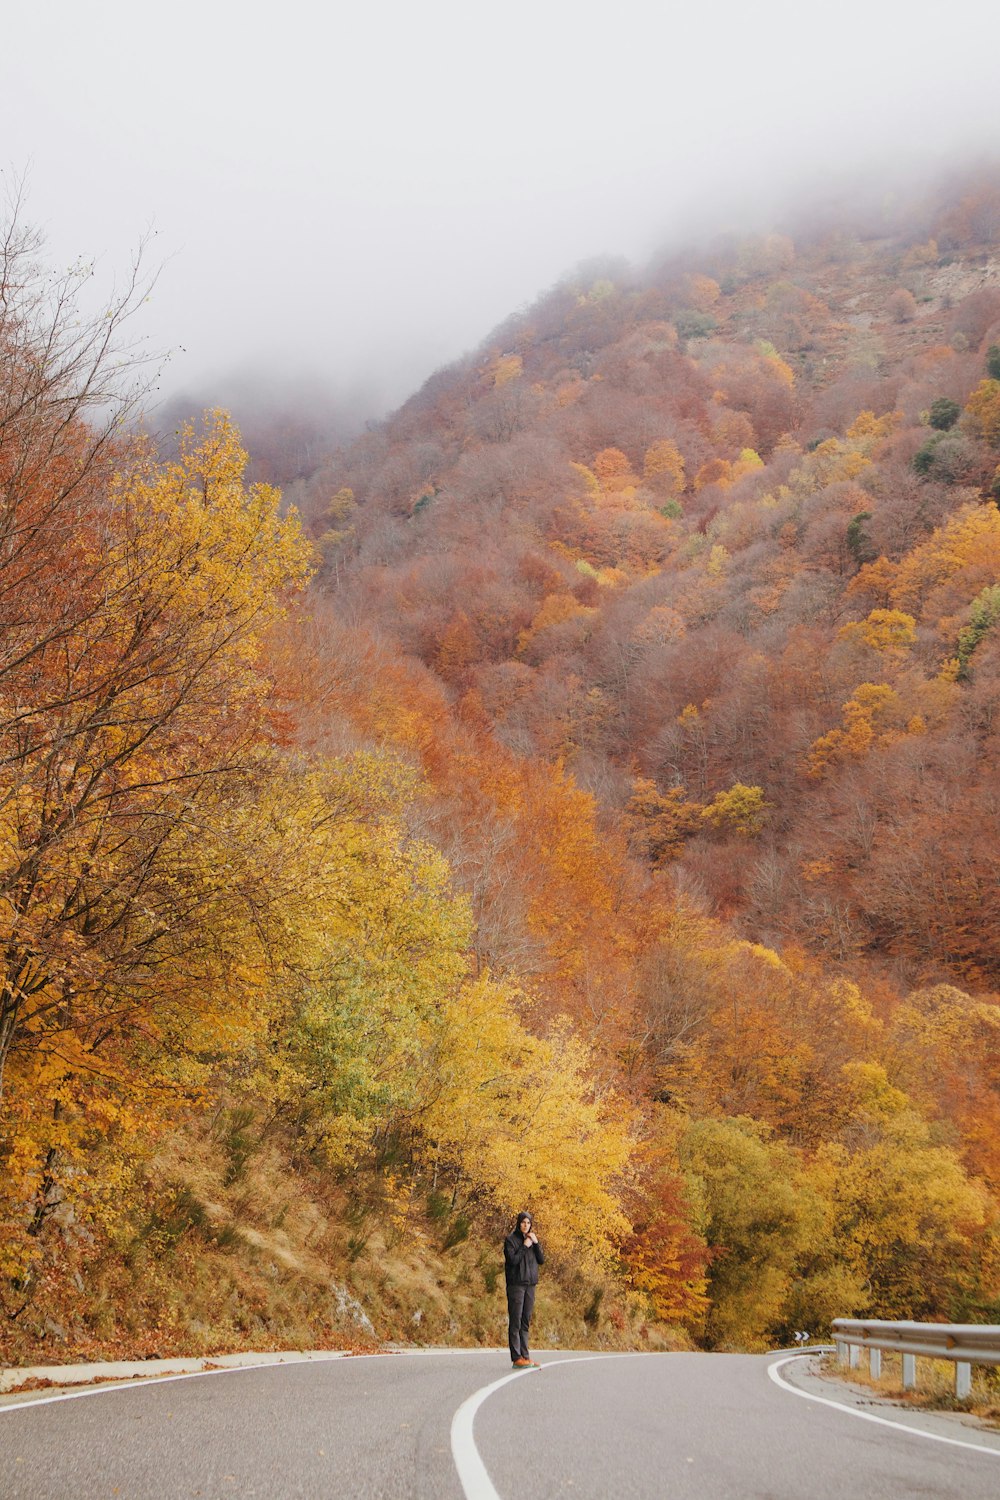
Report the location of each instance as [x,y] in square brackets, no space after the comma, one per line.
[656,1426]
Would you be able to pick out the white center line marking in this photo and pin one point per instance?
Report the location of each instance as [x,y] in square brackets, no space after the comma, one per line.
[473,1477]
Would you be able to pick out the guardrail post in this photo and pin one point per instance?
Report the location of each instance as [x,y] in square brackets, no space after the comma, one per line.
[965,1344]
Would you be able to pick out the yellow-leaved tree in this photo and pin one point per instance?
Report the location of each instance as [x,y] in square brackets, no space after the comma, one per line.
[905,1218]
[393,1045]
[136,870]
[758,1214]
[520,1119]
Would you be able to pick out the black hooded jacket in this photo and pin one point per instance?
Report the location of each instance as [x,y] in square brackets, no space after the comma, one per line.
[521,1261]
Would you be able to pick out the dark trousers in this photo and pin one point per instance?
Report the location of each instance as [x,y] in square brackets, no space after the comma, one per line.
[520,1306]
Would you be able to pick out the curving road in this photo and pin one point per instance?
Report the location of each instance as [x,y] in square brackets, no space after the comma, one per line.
[456,1425]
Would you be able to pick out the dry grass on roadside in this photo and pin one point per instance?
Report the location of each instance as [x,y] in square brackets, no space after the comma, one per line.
[935,1389]
[233,1243]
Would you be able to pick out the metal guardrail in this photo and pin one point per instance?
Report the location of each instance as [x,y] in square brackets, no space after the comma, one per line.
[964,1343]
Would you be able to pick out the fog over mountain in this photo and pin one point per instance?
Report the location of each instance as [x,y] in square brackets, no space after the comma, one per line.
[351,197]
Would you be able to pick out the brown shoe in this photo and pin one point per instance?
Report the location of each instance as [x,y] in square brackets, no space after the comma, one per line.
[521,1364]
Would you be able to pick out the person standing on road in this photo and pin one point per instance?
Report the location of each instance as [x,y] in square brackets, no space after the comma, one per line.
[522,1255]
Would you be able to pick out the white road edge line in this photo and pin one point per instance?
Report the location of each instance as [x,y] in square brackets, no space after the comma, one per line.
[139,1382]
[135,1382]
[472,1475]
[867,1416]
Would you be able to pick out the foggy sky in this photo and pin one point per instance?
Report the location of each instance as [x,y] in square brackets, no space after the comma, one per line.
[360,193]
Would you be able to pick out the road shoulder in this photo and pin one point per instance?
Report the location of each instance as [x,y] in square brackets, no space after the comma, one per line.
[806,1375]
[29,1382]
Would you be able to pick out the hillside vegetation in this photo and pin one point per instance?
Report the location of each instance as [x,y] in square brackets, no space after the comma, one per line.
[580,793]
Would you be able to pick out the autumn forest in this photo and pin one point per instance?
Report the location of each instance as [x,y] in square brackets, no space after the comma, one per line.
[579,792]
